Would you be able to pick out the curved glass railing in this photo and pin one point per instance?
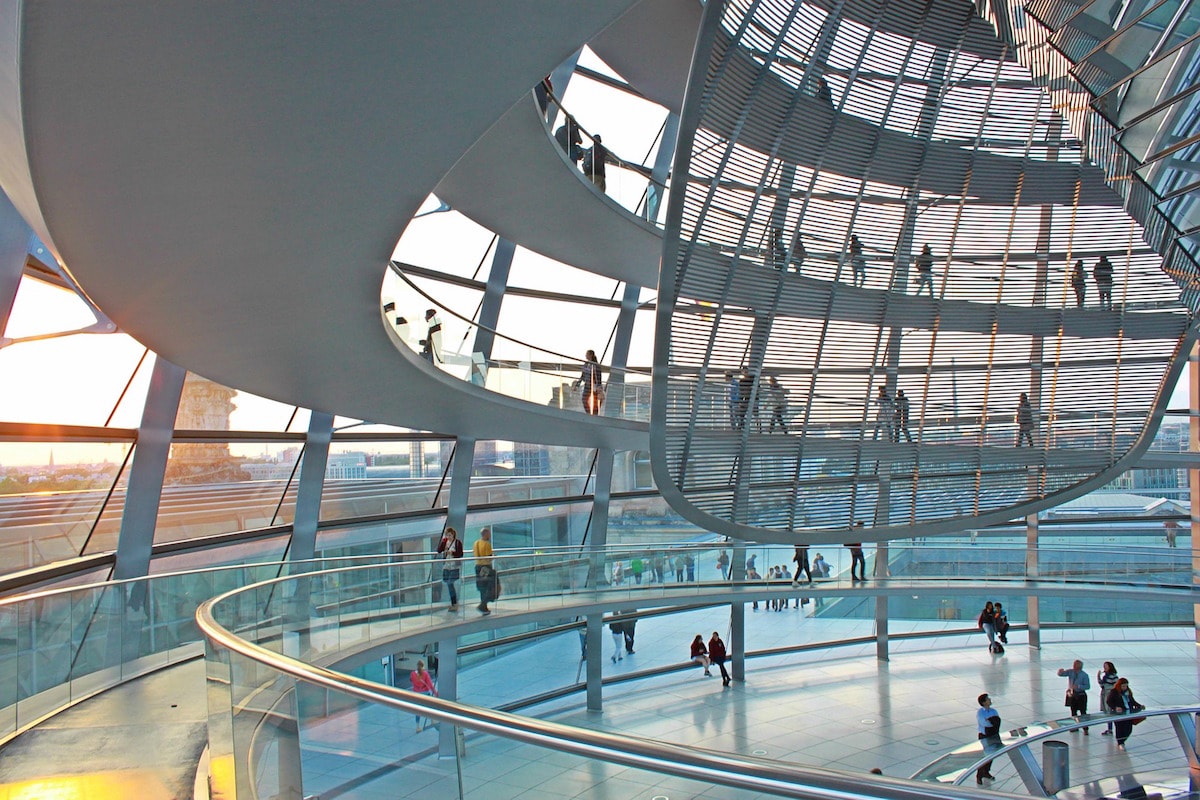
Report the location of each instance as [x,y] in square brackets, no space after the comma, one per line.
[294,720]
[1167,744]
[531,373]
[59,646]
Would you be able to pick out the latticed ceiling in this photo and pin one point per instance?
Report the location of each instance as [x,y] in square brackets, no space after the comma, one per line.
[823,150]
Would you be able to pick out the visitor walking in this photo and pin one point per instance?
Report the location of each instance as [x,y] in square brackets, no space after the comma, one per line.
[857,262]
[1103,275]
[594,159]
[902,409]
[885,415]
[591,379]
[802,565]
[1120,701]
[1078,684]
[1079,283]
[925,270]
[422,683]
[1106,679]
[485,572]
[1024,420]
[450,550]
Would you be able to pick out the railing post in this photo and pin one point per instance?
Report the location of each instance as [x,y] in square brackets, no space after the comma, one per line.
[1032,612]
[595,661]
[737,641]
[447,678]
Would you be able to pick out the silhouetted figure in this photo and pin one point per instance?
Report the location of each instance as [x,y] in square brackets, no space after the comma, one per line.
[778,249]
[431,345]
[569,139]
[592,382]
[1024,420]
[925,270]
[777,396]
[1079,283]
[733,389]
[902,408]
[823,92]
[1103,274]
[542,92]
[594,159]
[857,262]
[745,389]
[885,415]
[858,559]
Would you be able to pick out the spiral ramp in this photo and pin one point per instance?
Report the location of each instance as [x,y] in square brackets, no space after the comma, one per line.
[921,140]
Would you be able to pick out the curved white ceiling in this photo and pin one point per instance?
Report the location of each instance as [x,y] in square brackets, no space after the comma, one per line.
[228,180]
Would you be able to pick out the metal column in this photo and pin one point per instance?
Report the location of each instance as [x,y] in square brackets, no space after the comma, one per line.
[310,486]
[737,615]
[447,678]
[1193,472]
[14,249]
[1032,613]
[595,661]
[493,298]
[460,485]
[144,491]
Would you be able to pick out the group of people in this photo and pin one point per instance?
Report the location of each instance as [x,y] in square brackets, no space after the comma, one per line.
[712,653]
[744,404]
[487,580]
[1115,695]
[993,621]
[592,160]
[1116,698]
[656,568]
[1102,274]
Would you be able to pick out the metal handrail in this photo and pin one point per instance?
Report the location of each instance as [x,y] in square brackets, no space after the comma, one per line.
[784,780]
[1020,737]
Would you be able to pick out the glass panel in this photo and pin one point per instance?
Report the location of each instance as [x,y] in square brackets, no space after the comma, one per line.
[72,380]
[547,527]
[378,478]
[52,494]
[210,490]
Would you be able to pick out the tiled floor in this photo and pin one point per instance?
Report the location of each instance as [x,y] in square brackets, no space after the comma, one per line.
[838,708]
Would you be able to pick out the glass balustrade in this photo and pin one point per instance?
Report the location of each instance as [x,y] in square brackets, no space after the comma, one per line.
[527,372]
[280,724]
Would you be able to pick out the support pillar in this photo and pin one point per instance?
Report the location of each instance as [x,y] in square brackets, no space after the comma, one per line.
[460,485]
[1194,473]
[737,641]
[447,680]
[144,491]
[493,298]
[1032,612]
[311,486]
[14,249]
[882,517]
[595,661]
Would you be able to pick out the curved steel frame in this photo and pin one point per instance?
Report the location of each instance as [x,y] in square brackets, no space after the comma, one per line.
[763,138]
